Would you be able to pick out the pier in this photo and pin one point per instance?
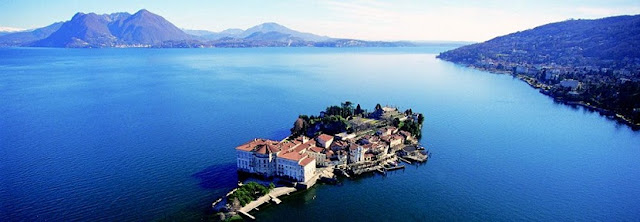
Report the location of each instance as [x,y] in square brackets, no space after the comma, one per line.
[271,196]
[394,168]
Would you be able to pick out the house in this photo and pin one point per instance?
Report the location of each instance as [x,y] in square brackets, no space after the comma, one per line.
[288,159]
[338,145]
[385,131]
[570,83]
[319,154]
[369,156]
[356,153]
[295,166]
[324,140]
[257,156]
[396,140]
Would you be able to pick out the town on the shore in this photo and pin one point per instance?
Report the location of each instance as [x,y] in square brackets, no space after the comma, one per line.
[341,140]
[601,89]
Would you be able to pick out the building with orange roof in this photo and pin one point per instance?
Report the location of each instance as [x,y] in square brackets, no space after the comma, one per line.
[258,156]
[324,140]
[268,158]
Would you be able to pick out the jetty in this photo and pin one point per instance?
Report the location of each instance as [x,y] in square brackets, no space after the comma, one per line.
[271,196]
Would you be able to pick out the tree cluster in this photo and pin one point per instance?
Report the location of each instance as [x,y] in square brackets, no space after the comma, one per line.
[249,192]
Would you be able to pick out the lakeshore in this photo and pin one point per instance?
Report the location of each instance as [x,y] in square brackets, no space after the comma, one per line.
[546,89]
[342,140]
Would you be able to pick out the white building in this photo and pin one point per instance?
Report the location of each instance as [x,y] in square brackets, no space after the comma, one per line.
[356,153]
[324,140]
[257,156]
[570,83]
[271,158]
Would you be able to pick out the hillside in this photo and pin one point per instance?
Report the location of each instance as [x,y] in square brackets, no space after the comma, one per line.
[590,63]
[92,30]
[20,38]
[608,42]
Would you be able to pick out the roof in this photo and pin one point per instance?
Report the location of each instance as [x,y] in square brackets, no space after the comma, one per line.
[405,133]
[306,161]
[295,156]
[287,145]
[316,149]
[253,144]
[325,137]
[396,137]
[339,143]
[267,148]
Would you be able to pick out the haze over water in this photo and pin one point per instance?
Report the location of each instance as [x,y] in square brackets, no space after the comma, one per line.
[144,134]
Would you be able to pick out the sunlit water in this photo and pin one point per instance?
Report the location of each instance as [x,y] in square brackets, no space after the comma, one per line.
[145,134]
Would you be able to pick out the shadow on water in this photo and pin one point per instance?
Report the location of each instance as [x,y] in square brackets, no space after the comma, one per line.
[218,176]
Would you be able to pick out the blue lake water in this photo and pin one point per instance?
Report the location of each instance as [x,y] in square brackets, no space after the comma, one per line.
[148,134]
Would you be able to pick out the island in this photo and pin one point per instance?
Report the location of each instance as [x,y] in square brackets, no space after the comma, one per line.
[342,140]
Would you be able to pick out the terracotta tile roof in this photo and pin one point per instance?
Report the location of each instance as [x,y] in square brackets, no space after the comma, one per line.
[325,137]
[316,149]
[306,161]
[267,148]
[253,144]
[295,156]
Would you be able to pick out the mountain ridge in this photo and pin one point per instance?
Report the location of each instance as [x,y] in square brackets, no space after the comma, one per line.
[146,29]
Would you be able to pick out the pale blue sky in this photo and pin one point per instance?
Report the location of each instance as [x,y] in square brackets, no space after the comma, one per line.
[458,20]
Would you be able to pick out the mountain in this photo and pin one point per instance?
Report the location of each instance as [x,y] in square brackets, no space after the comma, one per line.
[92,30]
[209,35]
[83,30]
[605,42]
[145,29]
[24,37]
[274,27]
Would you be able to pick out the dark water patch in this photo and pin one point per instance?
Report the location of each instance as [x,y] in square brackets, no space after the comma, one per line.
[218,176]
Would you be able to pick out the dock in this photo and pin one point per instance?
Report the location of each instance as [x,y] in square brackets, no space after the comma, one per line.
[247,214]
[271,196]
[418,157]
[404,160]
[394,168]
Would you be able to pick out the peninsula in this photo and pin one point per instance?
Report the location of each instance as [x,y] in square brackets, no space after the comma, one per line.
[341,140]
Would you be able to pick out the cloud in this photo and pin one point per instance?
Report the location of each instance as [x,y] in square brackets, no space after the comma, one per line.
[10,29]
[375,20]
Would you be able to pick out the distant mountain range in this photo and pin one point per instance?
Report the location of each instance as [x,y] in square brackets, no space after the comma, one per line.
[145,29]
[612,42]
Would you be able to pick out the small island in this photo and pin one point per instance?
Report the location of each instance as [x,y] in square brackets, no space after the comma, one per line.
[342,140]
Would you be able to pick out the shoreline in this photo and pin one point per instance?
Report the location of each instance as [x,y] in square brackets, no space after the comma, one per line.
[619,118]
[274,195]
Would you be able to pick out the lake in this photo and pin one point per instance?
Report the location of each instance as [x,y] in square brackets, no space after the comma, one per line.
[149,134]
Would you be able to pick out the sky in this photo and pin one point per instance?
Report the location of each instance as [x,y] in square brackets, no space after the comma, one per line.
[429,20]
